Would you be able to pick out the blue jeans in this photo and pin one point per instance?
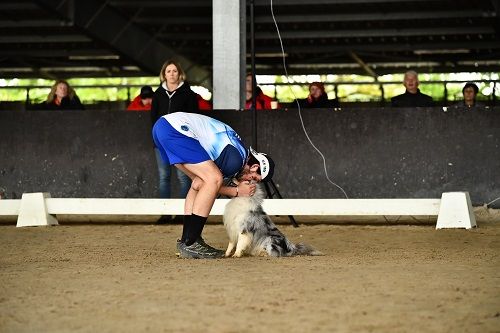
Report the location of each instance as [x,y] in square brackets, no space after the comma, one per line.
[164,173]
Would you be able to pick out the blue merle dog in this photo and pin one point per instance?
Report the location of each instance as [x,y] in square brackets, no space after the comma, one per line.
[251,231]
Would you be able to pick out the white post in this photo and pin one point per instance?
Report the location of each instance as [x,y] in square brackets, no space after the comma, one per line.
[456,211]
[229,53]
[33,211]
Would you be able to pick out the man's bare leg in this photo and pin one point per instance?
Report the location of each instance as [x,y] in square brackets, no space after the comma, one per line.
[207,180]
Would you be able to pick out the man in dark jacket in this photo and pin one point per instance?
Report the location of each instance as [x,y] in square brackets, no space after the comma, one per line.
[412,97]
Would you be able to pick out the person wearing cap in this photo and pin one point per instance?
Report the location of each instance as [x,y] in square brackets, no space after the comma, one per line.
[469,91]
[143,101]
[208,151]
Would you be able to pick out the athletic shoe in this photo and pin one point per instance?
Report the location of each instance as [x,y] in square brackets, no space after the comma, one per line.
[198,250]
[202,242]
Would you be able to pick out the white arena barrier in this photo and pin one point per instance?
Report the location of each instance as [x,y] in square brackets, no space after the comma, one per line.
[454,209]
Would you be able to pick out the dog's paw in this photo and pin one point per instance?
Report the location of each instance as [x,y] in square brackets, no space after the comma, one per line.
[230,249]
[238,254]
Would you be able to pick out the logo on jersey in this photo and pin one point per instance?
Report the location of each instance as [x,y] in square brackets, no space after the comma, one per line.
[185,128]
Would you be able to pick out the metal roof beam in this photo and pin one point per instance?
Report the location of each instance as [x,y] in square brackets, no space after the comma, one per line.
[104,23]
[332,2]
[16,5]
[188,20]
[45,23]
[57,53]
[329,18]
[359,33]
[277,70]
[44,39]
[379,46]
[382,16]
[161,4]
[363,65]
[378,32]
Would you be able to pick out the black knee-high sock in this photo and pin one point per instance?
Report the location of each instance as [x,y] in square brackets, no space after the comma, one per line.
[185,227]
[194,226]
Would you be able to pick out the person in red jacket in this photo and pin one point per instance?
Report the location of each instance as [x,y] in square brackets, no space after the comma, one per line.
[143,101]
[203,104]
[263,102]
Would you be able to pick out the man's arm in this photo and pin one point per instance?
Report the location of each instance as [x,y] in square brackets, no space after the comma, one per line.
[243,189]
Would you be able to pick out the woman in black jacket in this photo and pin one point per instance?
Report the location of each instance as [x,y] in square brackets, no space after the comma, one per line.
[173,95]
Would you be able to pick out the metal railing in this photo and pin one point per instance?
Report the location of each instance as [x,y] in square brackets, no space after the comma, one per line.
[380,98]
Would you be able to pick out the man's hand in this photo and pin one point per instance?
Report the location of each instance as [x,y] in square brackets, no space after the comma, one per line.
[246,189]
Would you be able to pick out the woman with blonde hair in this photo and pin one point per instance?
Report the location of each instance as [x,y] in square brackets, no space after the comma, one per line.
[61,97]
[173,95]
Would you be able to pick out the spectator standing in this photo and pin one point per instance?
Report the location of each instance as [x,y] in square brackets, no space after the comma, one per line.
[61,97]
[173,95]
[318,98]
[469,91]
[262,101]
[143,101]
[412,97]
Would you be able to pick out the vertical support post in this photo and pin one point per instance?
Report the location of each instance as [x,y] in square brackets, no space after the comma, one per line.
[229,53]
[382,95]
[253,108]
[445,98]
[493,95]
[28,102]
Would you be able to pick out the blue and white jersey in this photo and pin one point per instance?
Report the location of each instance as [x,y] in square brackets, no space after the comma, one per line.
[222,144]
[212,134]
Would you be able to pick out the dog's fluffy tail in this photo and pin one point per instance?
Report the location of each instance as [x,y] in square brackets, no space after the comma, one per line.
[302,249]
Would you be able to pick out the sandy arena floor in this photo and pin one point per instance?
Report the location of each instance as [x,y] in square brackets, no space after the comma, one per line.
[126,278]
